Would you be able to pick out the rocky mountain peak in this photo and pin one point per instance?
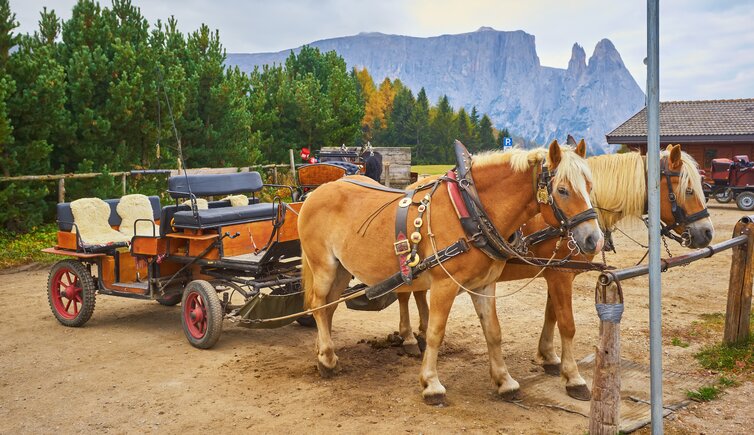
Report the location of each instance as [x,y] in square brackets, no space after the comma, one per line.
[486,29]
[577,64]
[606,56]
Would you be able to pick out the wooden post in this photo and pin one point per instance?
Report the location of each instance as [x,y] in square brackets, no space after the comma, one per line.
[275,174]
[386,171]
[605,406]
[293,167]
[124,182]
[739,287]
[61,190]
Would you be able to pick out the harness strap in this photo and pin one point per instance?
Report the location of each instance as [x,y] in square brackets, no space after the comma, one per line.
[396,280]
[372,186]
[402,246]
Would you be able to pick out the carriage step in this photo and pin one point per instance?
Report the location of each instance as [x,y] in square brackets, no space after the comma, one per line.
[131,287]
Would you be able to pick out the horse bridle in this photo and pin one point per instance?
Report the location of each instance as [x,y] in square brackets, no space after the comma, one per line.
[680,216]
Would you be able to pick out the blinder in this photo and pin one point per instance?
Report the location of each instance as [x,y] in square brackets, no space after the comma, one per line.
[680,216]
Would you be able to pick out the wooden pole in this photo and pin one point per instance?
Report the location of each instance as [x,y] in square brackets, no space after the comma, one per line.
[275,175]
[605,406]
[293,167]
[387,173]
[739,287]
[61,190]
[123,182]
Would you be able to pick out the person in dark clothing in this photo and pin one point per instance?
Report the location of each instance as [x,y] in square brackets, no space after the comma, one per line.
[373,165]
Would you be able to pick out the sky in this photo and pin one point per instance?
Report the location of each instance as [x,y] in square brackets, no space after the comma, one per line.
[706,46]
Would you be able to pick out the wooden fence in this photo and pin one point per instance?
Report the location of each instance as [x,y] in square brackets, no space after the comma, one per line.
[605,406]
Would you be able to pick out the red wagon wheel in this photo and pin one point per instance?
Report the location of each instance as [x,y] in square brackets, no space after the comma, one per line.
[71,292]
[202,317]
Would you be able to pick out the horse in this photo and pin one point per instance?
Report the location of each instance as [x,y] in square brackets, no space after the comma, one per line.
[619,191]
[346,230]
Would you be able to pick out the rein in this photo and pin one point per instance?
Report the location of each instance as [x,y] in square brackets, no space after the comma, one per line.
[679,214]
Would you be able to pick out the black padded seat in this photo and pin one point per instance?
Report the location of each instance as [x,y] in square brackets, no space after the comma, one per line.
[223,216]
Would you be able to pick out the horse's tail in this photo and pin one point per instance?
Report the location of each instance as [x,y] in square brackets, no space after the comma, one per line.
[307,280]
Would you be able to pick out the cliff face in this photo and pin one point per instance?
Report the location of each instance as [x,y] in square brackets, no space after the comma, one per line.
[500,74]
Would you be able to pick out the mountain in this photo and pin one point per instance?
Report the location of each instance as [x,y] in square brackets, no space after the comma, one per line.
[499,73]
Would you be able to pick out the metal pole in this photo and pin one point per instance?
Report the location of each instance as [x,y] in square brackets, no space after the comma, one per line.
[653,185]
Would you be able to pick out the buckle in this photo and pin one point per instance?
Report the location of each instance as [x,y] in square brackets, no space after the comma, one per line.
[402,247]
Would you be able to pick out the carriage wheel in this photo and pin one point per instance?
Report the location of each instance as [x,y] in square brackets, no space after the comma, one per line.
[202,317]
[71,292]
[170,300]
[745,201]
[724,196]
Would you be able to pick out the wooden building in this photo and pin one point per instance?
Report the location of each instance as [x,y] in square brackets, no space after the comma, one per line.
[705,129]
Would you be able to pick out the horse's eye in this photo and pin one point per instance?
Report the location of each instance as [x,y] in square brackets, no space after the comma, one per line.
[563,191]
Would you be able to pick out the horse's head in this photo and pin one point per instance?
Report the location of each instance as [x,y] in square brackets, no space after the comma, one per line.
[682,204]
[563,194]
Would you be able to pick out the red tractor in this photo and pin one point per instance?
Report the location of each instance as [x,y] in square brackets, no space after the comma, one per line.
[733,179]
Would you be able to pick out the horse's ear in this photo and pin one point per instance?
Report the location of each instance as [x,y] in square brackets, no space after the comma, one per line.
[554,155]
[571,141]
[581,148]
[669,147]
[675,162]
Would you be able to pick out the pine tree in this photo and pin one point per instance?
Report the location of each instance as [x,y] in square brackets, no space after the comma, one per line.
[486,134]
[443,130]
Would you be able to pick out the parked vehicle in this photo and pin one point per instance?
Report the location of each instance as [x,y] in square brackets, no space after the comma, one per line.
[732,179]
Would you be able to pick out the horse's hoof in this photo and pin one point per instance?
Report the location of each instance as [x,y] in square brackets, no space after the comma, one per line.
[579,392]
[552,369]
[435,399]
[326,372]
[412,350]
[421,342]
[511,396]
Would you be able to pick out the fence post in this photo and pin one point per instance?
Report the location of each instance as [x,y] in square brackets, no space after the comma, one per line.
[275,174]
[123,182]
[387,173]
[739,288]
[61,190]
[605,407]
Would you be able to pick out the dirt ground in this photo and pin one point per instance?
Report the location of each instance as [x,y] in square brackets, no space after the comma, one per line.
[130,369]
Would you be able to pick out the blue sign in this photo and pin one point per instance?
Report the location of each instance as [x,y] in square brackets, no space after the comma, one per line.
[507,143]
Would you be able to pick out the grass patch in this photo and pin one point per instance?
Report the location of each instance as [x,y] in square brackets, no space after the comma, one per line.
[20,249]
[431,169]
[737,359]
[704,394]
[678,342]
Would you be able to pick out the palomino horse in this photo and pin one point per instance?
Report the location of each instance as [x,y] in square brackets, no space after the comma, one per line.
[619,192]
[347,229]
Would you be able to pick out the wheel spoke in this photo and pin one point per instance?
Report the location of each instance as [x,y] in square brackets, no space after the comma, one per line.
[68,276]
[68,304]
[75,307]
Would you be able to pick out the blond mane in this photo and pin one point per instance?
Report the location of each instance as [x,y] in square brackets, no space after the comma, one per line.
[620,185]
[572,168]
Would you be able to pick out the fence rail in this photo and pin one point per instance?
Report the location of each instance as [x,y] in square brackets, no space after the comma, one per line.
[60,178]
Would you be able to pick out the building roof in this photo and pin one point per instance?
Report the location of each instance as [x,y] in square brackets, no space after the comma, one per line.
[718,120]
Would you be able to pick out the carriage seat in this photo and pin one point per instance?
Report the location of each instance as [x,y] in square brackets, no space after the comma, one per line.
[223,216]
[94,220]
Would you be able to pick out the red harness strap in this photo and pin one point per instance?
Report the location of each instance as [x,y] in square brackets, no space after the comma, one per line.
[455,197]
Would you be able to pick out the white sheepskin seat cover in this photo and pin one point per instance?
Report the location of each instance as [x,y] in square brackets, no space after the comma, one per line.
[91,216]
[133,207]
[201,203]
[237,200]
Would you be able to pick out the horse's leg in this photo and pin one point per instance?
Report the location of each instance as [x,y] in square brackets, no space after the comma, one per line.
[441,297]
[327,285]
[409,342]
[421,305]
[546,353]
[575,385]
[507,387]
